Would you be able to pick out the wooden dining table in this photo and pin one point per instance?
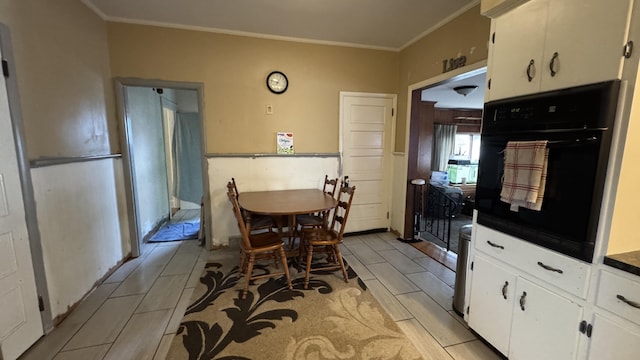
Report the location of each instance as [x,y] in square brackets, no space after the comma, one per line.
[285,203]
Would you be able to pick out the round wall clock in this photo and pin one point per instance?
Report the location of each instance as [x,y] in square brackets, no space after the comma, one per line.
[277,82]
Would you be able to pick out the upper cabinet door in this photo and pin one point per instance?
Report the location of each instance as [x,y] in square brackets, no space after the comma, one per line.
[517,50]
[584,42]
[553,44]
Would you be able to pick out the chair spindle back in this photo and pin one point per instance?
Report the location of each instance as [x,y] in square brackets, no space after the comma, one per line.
[244,232]
[341,212]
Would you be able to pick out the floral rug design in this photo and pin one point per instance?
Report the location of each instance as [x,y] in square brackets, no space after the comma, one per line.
[330,320]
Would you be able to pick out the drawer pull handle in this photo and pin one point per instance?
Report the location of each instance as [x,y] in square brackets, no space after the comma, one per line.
[495,245]
[504,290]
[523,300]
[547,267]
[628,302]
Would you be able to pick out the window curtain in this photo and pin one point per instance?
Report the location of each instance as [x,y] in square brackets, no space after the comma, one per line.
[444,139]
[186,141]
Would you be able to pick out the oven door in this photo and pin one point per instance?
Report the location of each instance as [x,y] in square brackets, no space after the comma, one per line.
[570,209]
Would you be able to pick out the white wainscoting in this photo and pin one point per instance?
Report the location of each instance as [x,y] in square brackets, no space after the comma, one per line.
[83,226]
[256,174]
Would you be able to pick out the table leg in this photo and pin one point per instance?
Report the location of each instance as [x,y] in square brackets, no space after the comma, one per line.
[292,230]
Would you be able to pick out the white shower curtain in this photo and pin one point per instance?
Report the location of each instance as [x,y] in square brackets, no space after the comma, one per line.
[444,139]
[188,157]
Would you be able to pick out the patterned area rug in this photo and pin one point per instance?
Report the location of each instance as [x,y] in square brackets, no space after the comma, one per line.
[330,320]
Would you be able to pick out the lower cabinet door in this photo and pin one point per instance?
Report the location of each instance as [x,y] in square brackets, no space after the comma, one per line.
[545,325]
[491,302]
[612,341]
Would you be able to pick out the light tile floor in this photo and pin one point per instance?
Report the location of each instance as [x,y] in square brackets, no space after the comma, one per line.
[136,312]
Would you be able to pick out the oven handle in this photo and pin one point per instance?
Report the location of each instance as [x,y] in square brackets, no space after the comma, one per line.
[574,141]
[570,142]
[577,131]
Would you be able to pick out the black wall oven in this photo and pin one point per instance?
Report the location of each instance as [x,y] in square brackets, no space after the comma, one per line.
[578,125]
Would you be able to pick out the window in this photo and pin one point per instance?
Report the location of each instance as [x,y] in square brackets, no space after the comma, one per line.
[467,147]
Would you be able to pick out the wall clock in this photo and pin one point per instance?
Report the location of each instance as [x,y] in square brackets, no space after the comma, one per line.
[277,82]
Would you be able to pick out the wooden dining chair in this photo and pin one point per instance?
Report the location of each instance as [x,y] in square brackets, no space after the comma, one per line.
[264,245]
[319,219]
[257,221]
[327,239]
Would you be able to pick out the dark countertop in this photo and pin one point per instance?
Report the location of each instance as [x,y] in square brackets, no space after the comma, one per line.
[629,262]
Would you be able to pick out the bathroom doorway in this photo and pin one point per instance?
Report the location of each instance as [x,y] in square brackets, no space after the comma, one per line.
[163,148]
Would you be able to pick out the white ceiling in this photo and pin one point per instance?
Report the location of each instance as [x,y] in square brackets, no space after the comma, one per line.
[446,97]
[381,24]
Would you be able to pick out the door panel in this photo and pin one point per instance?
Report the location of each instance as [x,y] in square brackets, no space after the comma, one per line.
[491,302]
[366,147]
[545,325]
[20,322]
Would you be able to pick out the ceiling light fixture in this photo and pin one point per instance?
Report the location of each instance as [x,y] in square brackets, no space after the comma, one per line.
[465,89]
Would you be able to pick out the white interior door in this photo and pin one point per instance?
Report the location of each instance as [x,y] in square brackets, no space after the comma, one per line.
[366,149]
[20,322]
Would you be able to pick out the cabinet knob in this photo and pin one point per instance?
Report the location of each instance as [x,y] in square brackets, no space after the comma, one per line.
[628,49]
[552,64]
[531,70]
[583,326]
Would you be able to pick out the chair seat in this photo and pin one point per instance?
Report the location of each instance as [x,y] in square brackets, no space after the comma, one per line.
[265,241]
[310,220]
[321,237]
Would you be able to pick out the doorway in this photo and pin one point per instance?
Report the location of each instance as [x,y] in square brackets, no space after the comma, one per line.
[439,113]
[163,147]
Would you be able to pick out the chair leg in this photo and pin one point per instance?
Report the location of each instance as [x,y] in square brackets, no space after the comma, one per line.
[275,260]
[242,259]
[336,250]
[308,270]
[283,258]
[252,259]
[302,250]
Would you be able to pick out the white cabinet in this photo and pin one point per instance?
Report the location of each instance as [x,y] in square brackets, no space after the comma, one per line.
[545,325]
[615,330]
[519,318]
[553,44]
[491,302]
[611,340]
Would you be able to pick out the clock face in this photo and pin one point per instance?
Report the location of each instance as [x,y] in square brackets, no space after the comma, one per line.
[277,82]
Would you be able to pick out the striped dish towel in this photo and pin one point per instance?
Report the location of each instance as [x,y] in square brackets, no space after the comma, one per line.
[525,174]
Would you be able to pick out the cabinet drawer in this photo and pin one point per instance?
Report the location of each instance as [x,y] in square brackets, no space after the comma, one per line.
[557,269]
[496,244]
[611,288]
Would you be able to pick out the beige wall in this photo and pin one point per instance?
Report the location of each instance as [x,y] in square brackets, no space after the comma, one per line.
[467,35]
[233,70]
[62,63]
